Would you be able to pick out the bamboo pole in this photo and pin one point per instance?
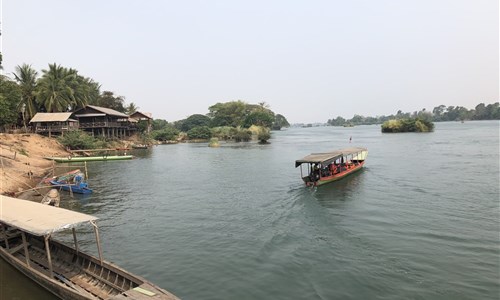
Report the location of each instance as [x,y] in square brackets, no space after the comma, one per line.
[49,258]
[26,253]
[98,241]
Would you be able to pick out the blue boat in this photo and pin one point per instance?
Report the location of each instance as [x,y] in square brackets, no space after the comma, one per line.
[78,186]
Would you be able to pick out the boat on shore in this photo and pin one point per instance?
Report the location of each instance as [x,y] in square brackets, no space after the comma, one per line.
[65,176]
[331,166]
[26,230]
[70,159]
[72,182]
[78,187]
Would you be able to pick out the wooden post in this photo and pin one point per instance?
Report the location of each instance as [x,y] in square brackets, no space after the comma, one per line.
[26,253]
[4,233]
[96,231]
[86,173]
[53,168]
[49,258]
[74,239]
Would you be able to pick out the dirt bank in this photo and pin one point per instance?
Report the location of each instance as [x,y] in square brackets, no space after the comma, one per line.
[22,163]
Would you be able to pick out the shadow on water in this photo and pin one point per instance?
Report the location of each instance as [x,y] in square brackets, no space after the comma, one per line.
[333,194]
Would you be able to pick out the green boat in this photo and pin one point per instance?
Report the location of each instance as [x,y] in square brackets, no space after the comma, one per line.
[70,159]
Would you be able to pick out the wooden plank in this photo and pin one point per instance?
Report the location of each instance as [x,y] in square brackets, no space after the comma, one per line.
[40,264]
[119,289]
[159,294]
[82,281]
[15,249]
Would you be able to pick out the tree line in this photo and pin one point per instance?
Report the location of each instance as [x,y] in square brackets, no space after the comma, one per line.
[229,120]
[439,114]
[56,89]
[62,89]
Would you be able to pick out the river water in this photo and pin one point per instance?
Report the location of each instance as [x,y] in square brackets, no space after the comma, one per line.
[421,221]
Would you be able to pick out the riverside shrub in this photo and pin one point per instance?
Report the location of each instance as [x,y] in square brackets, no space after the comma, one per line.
[407,125]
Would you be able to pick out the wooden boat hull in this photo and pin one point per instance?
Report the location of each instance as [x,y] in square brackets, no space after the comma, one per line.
[78,275]
[79,189]
[335,177]
[70,159]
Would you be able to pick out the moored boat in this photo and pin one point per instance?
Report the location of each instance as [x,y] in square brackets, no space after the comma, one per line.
[77,187]
[331,166]
[89,158]
[75,184]
[26,230]
[63,177]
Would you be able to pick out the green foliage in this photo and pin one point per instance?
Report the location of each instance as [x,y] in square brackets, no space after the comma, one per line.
[439,113]
[168,133]
[79,140]
[407,125]
[263,136]
[23,151]
[228,114]
[193,121]
[109,100]
[26,77]
[214,142]
[279,122]
[159,124]
[142,126]
[61,89]
[223,132]
[200,132]
[259,118]
[242,134]
[131,108]
[10,96]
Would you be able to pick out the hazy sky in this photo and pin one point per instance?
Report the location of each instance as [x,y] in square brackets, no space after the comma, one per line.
[309,60]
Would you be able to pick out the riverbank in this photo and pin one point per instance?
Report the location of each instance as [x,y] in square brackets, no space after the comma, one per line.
[22,162]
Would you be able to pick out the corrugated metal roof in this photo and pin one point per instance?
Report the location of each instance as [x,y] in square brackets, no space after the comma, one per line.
[328,156]
[144,114]
[51,117]
[108,111]
[37,218]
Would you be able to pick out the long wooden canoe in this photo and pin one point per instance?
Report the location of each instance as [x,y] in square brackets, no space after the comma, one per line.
[331,166]
[89,158]
[26,228]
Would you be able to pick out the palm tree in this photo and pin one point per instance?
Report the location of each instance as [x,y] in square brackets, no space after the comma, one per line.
[86,91]
[131,108]
[25,76]
[56,88]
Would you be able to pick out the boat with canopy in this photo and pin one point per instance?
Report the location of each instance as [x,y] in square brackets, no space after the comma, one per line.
[331,166]
[26,231]
[72,159]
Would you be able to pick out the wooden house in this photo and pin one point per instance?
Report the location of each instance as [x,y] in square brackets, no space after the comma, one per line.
[143,117]
[53,123]
[103,121]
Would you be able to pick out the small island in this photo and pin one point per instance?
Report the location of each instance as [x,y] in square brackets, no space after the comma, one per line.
[407,125]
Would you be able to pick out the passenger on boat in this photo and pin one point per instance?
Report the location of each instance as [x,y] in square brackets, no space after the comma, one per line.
[315,172]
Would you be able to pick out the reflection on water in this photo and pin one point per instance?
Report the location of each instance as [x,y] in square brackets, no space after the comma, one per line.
[236,222]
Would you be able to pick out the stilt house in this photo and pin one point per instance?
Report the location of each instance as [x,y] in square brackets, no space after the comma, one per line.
[103,121]
[53,123]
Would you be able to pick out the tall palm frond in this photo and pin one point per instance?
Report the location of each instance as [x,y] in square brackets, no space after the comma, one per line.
[26,77]
[56,88]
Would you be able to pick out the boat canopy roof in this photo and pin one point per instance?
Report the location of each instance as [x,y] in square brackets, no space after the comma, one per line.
[37,218]
[328,157]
